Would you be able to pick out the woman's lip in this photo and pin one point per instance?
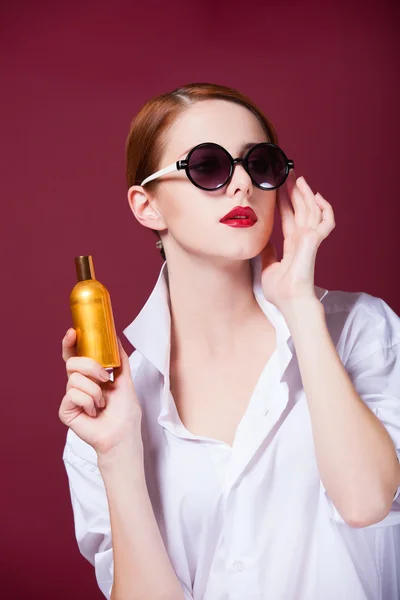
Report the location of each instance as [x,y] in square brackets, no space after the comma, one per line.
[240,211]
[237,223]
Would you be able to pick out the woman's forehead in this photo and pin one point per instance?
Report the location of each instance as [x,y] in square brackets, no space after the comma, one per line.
[226,123]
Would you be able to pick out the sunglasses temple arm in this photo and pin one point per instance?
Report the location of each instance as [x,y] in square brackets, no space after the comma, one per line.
[164,171]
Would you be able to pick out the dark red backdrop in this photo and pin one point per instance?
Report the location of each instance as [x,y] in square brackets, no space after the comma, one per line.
[73,75]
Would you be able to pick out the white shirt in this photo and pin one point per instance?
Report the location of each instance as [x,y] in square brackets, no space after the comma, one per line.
[253,521]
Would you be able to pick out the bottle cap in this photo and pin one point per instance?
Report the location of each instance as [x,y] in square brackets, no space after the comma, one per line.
[84,268]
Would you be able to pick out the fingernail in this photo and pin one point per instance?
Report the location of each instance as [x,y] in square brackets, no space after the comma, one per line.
[68,332]
[102,402]
[104,375]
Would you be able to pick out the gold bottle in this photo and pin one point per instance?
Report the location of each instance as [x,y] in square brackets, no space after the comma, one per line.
[92,317]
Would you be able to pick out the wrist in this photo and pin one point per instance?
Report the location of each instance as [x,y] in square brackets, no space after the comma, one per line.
[303,312]
[127,454]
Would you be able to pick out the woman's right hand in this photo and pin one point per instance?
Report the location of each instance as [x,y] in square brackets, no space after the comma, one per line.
[106,415]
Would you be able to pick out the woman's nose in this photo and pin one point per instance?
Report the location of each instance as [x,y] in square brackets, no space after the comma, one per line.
[240,181]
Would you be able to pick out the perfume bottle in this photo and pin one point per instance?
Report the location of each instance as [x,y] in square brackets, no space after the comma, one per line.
[92,317]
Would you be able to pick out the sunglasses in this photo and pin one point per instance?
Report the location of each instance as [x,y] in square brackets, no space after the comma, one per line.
[209,166]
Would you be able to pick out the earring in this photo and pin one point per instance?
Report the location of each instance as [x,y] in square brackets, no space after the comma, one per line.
[160,246]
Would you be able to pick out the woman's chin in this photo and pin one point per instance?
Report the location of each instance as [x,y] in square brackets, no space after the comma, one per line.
[243,253]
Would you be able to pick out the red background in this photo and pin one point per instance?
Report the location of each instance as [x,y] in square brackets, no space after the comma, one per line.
[73,76]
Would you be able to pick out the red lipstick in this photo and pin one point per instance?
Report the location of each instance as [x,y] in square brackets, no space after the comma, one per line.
[240,216]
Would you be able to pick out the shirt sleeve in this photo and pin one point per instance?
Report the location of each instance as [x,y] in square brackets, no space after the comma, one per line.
[373,365]
[91,515]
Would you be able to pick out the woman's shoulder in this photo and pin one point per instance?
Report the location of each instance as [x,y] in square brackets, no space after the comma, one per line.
[359,305]
[364,322]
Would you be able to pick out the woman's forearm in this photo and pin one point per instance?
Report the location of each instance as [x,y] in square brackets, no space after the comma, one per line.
[355,454]
[142,569]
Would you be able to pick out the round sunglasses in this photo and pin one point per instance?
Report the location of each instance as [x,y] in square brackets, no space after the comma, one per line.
[209,166]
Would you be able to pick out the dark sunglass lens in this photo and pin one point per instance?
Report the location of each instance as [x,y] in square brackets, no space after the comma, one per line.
[267,166]
[209,167]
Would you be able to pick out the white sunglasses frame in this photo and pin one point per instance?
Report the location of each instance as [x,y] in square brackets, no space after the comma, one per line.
[162,172]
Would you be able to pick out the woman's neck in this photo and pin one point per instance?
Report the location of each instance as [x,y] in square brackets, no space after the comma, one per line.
[213,308]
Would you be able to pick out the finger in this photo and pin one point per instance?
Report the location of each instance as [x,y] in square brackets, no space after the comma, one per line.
[306,192]
[89,387]
[88,367]
[300,212]
[286,211]
[122,373]
[328,216]
[314,212]
[76,398]
[69,345]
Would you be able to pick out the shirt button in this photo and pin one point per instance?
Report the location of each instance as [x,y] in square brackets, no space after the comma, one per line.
[238,565]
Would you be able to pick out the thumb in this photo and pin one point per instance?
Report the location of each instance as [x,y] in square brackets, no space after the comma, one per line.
[122,373]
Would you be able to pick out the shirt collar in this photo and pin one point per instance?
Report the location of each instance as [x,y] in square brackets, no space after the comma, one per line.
[149,332]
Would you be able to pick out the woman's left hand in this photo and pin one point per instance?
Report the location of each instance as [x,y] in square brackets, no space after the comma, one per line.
[307,219]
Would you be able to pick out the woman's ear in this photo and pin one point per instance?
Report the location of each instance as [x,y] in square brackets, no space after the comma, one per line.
[144,208]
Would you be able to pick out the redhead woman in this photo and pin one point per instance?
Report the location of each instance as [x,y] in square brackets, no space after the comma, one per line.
[248,449]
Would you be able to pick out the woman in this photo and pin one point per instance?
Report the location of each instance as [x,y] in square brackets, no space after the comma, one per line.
[247,448]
